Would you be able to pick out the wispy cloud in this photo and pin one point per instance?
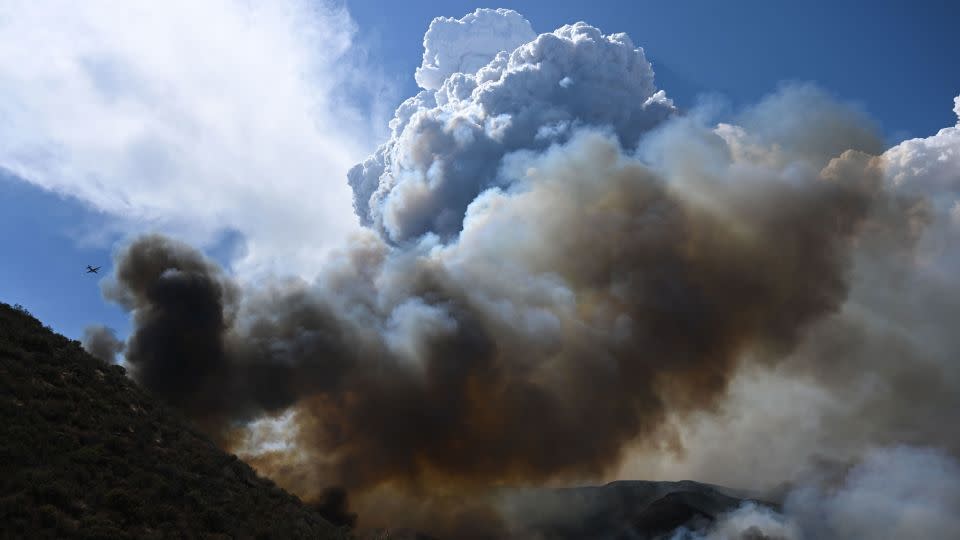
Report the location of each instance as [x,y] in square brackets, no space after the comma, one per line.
[190,117]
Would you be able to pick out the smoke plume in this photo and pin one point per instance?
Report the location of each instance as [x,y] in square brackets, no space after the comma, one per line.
[878,372]
[334,506]
[448,141]
[894,493]
[102,342]
[562,274]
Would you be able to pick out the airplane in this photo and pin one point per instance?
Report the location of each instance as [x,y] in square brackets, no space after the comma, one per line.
[92,269]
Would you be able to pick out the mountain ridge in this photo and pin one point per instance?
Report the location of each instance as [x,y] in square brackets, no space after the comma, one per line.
[86,453]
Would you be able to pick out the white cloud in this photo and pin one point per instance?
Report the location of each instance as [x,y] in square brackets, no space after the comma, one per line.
[467,44]
[929,166]
[190,117]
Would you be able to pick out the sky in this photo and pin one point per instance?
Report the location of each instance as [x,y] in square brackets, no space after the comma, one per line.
[149,144]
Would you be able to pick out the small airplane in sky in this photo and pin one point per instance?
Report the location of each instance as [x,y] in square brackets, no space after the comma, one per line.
[92,269]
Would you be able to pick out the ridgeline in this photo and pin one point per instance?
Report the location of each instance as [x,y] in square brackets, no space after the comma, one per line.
[86,453]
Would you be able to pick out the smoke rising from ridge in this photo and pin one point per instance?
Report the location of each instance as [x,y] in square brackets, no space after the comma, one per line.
[561,273]
[102,342]
[588,301]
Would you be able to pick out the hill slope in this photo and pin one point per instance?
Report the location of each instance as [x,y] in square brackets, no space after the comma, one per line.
[85,453]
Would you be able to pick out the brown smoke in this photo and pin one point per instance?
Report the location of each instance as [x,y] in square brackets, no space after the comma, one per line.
[572,316]
[880,372]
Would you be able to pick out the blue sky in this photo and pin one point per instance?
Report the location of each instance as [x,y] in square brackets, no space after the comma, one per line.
[897,60]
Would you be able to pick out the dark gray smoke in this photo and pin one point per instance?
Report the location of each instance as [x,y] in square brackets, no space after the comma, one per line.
[102,342]
[334,506]
[187,348]
[181,305]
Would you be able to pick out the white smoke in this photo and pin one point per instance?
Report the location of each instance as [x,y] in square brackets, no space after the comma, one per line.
[931,167]
[467,44]
[750,521]
[893,494]
[448,140]
[880,372]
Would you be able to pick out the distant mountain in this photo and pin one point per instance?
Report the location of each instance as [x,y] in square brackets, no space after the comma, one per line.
[86,453]
[623,510]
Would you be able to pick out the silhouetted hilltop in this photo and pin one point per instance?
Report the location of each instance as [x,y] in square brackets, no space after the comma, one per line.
[622,510]
[86,453]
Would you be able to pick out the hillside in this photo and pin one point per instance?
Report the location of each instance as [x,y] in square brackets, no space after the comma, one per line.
[85,453]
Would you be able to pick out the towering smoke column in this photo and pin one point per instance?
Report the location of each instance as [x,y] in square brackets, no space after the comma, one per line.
[559,270]
[449,140]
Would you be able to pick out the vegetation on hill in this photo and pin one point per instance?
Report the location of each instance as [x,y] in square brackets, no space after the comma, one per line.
[86,453]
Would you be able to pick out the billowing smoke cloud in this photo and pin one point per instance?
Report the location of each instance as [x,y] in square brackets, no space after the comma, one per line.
[894,493]
[219,361]
[899,492]
[931,166]
[102,342]
[561,272]
[447,141]
[881,371]
[465,45]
